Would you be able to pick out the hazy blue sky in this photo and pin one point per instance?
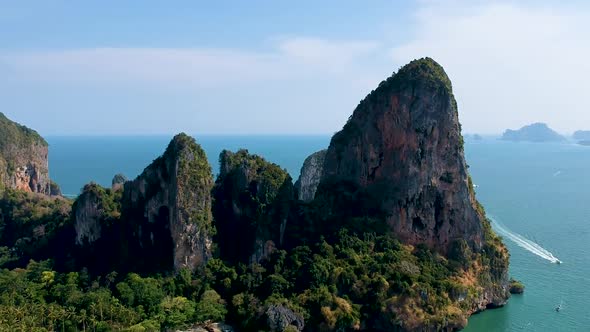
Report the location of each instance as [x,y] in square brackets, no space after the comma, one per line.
[145,67]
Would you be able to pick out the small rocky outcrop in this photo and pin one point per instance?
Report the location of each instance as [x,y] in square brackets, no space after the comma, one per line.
[23,158]
[118,181]
[310,176]
[516,287]
[94,208]
[536,132]
[252,201]
[279,318]
[167,209]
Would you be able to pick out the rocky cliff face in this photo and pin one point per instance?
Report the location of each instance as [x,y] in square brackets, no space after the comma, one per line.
[118,182]
[161,221]
[23,158]
[309,178]
[403,144]
[87,217]
[167,208]
[402,150]
[95,209]
[252,201]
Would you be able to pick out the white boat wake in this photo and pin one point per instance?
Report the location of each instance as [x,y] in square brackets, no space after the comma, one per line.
[523,242]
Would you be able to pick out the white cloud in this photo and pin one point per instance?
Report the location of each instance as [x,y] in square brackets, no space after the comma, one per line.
[510,64]
[277,90]
[336,55]
[290,59]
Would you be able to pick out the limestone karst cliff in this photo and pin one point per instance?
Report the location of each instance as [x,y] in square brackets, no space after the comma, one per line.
[168,207]
[161,221]
[23,159]
[403,146]
[251,208]
[382,231]
[399,161]
[310,176]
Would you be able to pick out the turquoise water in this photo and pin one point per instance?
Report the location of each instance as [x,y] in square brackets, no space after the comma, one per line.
[539,191]
[75,161]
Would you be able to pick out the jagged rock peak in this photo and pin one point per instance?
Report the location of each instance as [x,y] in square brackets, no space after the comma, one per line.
[23,158]
[403,144]
[93,208]
[168,206]
[310,176]
[118,181]
[251,208]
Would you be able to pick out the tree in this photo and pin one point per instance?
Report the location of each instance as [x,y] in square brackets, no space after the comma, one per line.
[177,311]
[211,307]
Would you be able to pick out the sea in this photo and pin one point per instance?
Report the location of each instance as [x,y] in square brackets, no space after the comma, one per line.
[537,195]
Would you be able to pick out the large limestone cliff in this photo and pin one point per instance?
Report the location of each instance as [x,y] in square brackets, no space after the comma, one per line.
[310,176]
[252,201]
[168,208]
[23,158]
[403,144]
[402,150]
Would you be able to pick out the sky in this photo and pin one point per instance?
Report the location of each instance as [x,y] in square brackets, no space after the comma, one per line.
[270,67]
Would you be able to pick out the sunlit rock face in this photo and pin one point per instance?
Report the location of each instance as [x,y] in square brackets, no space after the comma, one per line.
[403,144]
[167,209]
[310,176]
[23,158]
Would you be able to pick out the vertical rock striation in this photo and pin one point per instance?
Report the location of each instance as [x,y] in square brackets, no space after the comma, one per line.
[310,176]
[403,144]
[167,208]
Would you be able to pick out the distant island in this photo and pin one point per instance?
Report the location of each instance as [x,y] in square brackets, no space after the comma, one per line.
[582,135]
[536,132]
[475,137]
[584,142]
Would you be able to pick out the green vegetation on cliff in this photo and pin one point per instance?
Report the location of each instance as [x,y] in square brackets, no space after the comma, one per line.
[32,226]
[194,179]
[12,133]
[251,202]
[516,287]
[421,73]
[23,159]
[147,262]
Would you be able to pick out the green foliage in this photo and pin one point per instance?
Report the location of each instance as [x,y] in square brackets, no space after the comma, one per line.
[30,226]
[338,270]
[12,133]
[15,140]
[108,201]
[177,311]
[194,180]
[251,199]
[211,307]
[516,287]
